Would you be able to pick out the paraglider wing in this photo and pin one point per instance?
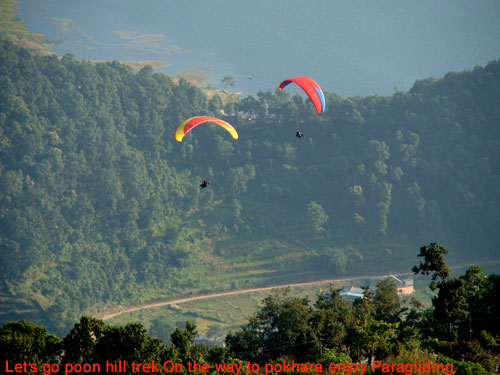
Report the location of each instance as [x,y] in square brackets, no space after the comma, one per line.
[193,122]
[312,90]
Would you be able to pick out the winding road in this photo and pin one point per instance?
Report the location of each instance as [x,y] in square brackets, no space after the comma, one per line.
[109,315]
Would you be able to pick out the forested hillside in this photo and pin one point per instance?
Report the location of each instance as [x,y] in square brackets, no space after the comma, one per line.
[99,205]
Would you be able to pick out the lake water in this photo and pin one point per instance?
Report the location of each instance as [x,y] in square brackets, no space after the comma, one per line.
[350,47]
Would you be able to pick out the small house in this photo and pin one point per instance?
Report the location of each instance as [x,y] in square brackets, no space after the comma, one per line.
[352,292]
[404,287]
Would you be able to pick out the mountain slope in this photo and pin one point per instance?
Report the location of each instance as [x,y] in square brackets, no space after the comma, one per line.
[100,206]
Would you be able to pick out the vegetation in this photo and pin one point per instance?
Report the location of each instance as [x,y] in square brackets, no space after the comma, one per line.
[13,29]
[100,206]
[284,329]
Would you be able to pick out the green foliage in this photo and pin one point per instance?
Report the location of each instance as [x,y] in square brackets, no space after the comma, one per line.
[22,341]
[183,341]
[375,337]
[284,328]
[330,356]
[80,344]
[369,328]
[13,29]
[451,303]
[280,327]
[433,263]
[100,206]
[339,260]
[386,301]
[316,218]
[330,321]
[129,343]
[463,367]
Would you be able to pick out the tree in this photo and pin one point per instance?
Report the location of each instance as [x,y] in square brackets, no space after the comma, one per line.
[316,218]
[279,328]
[434,264]
[329,320]
[228,81]
[491,306]
[378,151]
[248,342]
[338,259]
[450,305]
[146,70]
[215,105]
[330,356]
[373,338]
[183,341]
[476,283]
[79,345]
[239,177]
[285,324]
[386,301]
[22,341]
[129,343]
[249,105]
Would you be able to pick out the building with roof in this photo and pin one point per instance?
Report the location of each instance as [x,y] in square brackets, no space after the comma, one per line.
[404,287]
[352,292]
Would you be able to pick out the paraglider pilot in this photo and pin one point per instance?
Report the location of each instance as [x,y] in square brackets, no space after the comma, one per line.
[299,134]
[204,184]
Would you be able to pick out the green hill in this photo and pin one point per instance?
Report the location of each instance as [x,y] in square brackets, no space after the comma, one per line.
[100,206]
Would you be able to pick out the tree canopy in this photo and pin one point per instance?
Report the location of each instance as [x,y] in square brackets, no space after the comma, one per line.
[100,206]
[287,328]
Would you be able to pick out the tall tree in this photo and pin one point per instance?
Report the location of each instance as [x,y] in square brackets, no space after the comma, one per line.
[316,218]
[27,342]
[386,301]
[434,264]
[79,344]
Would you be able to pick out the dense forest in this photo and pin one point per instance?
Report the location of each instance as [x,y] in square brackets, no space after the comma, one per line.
[457,333]
[100,206]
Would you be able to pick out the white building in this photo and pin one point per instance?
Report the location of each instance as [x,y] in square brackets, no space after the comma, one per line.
[352,292]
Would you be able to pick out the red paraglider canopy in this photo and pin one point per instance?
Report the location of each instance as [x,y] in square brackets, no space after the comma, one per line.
[312,90]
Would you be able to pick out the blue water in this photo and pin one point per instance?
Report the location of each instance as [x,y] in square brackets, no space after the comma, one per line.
[350,47]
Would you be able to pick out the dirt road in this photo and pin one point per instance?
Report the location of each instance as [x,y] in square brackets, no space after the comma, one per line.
[109,315]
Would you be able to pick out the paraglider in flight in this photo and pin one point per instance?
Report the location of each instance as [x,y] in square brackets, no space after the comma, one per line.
[312,90]
[204,184]
[193,122]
